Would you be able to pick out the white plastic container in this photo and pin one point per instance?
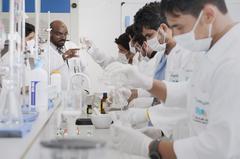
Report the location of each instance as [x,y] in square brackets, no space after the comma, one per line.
[38,92]
[102,121]
[56,80]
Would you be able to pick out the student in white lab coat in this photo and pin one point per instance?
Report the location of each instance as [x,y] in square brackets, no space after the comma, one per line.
[161,117]
[152,25]
[130,32]
[124,54]
[146,55]
[29,41]
[146,62]
[212,94]
[63,54]
[178,68]
[146,22]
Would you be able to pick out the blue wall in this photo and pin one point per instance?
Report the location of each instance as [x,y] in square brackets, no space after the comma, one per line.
[54,6]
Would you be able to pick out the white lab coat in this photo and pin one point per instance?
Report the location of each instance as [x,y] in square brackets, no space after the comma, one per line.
[180,65]
[145,98]
[57,62]
[213,103]
[100,57]
[173,120]
[104,60]
[147,68]
[87,65]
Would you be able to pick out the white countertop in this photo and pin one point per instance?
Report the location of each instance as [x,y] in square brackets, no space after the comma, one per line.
[15,148]
[44,128]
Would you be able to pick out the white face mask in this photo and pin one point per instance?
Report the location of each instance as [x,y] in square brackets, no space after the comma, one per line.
[31,45]
[188,40]
[122,58]
[132,49]
[155,45]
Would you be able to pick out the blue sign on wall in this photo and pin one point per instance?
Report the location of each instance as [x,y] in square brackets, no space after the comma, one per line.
[54,6]
[127,21]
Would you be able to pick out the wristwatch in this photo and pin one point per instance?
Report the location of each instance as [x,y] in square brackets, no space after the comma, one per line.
[153,149]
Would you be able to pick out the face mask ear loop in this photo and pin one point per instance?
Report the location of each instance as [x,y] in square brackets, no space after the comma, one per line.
[164,37]
[197,22]
[210,30]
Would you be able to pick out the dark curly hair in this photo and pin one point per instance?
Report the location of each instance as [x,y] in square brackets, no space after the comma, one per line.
[29,28]
[149,16]
[192,7]
[123,40]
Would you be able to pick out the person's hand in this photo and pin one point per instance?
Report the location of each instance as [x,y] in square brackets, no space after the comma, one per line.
[119,97]
[130,57]
[165,35]
[87,42]
[128,76]
[134,95]
[135,116]
[152,132]
[145,49]
[126,93]
[129,140]
[70,54]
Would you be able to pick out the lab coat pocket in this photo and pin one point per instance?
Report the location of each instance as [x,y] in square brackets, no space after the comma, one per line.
[173,75]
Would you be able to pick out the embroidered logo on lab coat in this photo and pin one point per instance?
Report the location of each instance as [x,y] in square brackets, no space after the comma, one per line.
[200,112]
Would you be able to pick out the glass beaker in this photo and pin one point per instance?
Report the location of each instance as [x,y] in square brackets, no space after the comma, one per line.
[10,109]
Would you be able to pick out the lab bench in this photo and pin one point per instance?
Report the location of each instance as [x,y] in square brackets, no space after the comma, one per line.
[44,128]
[15,148]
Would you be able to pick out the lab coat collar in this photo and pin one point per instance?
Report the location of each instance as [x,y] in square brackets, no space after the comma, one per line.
[221,48]
[176,50]
[53,46]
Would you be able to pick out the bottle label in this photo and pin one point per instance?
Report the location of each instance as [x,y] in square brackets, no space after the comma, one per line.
[33,93]
[89,110]
[103,106]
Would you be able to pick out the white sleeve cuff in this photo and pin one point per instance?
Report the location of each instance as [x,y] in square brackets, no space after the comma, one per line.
[94,52]
[143,93]
[176,94]
[100,57]
[175,49]
[184,149]
[91,50]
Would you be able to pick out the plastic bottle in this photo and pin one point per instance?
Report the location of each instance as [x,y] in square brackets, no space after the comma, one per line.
[56,80]
[38,88]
